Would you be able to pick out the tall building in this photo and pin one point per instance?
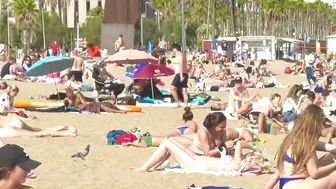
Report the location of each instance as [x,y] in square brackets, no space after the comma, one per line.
[77,10]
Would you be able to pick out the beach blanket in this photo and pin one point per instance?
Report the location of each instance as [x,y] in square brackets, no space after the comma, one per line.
[212,187]
[164,104]
[216,173]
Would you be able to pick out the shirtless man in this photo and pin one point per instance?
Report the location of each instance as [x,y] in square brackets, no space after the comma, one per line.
[84,44]
[77,67]
[238,95]
[119,43]
[77,100]
[163,44]
[180,81]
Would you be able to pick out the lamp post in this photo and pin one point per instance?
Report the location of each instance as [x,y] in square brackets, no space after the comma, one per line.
[183,27]
[208,19]
[8,30]
[43,28]
[141,29]
[146,4]
[158,19]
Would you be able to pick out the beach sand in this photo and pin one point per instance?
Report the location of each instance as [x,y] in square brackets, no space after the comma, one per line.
[108,166]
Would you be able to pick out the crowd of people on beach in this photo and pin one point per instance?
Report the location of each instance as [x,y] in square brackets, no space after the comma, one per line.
[304,115]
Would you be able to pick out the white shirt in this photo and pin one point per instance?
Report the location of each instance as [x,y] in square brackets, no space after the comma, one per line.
[309,60]
[287,105]
[6,102]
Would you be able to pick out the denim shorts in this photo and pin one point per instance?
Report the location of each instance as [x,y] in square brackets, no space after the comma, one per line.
[289,116]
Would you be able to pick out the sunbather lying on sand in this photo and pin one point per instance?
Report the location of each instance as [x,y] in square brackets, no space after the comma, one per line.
[77,100]
[195,162]
[14,127]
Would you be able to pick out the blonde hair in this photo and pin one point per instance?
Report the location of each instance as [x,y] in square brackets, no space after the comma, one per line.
[302,140]
[14,88]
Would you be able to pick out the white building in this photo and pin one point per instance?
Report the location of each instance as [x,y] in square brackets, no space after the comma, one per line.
[78,9]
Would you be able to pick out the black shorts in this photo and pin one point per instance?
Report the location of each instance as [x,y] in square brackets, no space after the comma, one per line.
[78,75]
[177,81]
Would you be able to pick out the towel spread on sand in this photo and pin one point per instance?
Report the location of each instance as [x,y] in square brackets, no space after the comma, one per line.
[213,187]
[216,173]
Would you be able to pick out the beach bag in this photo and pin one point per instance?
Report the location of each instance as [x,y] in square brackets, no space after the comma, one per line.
[126,138]
[214,88]
[113,135]
[288,70]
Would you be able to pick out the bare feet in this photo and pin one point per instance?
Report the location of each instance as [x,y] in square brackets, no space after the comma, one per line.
[139,169]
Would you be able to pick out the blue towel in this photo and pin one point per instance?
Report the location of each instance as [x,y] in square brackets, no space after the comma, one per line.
[86,88]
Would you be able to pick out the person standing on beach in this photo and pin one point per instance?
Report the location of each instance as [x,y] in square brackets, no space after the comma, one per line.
[309,62]
[180,81]
[163,44]
[54,49]
[77,67]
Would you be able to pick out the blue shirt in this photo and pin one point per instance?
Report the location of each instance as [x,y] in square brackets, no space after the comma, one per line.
[214,44]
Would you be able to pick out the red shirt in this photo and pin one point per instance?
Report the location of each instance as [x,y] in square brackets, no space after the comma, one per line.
[54,48]
[94,52]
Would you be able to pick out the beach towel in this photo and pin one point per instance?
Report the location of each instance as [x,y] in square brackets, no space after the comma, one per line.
[178,169]
[193,186]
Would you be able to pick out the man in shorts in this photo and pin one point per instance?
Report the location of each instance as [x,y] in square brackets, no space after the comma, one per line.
[180,81]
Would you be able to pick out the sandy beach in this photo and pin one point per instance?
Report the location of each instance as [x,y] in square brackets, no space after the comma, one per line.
[108,166]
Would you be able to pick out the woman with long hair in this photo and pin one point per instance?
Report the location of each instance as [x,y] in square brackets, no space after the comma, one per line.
[297,163]
[292,104]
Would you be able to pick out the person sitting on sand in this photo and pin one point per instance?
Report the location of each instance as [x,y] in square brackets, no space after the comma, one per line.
[203,143]
[245,75]
[183,127]
[238,95]
[298,165]
[323,84]
[292,103]
[78,101]
[15,166]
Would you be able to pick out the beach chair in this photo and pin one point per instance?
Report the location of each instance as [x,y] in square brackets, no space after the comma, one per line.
[105,87]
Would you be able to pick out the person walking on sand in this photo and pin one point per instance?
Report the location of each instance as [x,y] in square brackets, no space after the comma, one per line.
[54,49]
[77,67]
[180,81]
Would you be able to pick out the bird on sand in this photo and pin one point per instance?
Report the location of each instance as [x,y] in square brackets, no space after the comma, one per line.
[83,153]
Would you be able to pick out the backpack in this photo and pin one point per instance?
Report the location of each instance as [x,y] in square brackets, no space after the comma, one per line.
[113,135]
[288,70]
[125,138]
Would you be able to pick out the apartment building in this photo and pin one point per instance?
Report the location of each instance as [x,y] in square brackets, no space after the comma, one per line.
[78,9]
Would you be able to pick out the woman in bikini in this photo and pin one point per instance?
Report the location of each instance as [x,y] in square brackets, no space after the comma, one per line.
[297,163]
[188,160]
[185,126]
[205,143]
[78,101]
[323,84]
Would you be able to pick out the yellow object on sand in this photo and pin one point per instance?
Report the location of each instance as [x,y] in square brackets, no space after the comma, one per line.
[262,141]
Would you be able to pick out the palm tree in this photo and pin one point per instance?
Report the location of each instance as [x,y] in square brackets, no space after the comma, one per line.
[97,11]
[25,12]
[62,6]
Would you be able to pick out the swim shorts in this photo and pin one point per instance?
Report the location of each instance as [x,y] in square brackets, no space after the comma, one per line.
[177,81]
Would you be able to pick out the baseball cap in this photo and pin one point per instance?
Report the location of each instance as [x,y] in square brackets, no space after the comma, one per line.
[13,155]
